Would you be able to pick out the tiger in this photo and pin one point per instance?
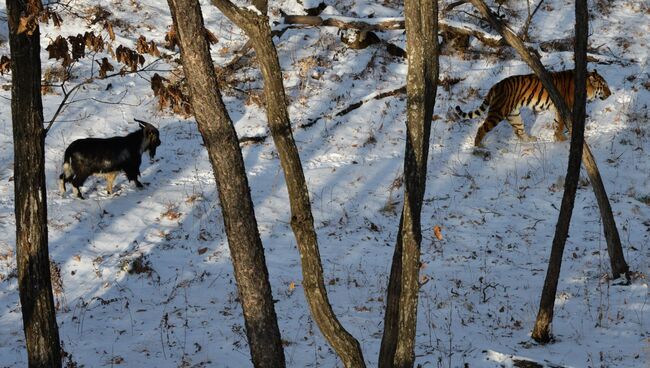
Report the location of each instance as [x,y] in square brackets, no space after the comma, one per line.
[510,94]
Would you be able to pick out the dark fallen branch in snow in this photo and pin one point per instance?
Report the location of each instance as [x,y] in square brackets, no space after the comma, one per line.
[345,111]
[378,96]
[358,104]
[253,139]
[594,54]
[371,24]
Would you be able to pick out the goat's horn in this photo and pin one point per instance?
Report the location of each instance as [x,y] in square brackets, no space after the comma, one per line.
[142,123]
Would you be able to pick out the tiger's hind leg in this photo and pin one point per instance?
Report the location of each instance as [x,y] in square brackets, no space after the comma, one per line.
[518,125]
[493,118]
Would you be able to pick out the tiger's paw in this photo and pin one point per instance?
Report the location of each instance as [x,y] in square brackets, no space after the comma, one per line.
[530,138]
[560,137]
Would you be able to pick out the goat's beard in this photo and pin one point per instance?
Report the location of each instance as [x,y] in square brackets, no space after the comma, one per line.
[152,153]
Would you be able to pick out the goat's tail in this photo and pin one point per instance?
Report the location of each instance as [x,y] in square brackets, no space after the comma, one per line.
[473,114]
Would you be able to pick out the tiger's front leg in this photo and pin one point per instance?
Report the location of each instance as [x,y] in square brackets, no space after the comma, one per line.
[518,126]
[558,123]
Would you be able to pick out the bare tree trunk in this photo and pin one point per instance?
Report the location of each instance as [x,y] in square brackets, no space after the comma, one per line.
[541,332]
[32,257]
[398,342]
[619,266]
[225,156]
[257,28]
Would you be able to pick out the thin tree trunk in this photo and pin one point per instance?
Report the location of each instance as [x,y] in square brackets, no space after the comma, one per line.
[617,259]
[398,342]
[32,257]
[541,332]
[220,139]
[257,28]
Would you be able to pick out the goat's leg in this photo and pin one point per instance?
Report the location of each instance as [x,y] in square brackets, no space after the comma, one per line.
[110,178]
[132,174]
[77,182]
[62,184]
[66,176]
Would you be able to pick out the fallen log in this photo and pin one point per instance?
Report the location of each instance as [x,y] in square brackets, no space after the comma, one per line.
[391,24]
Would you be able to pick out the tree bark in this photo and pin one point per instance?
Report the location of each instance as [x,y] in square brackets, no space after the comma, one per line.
[617,259]
[398,342]
[541,332]
[220,139]
[32,257]
[258,30]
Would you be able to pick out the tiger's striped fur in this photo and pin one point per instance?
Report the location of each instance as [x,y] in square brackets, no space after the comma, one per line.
[505,99]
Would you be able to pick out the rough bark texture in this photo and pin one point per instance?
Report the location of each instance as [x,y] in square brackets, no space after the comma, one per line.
[398,342]
[541,332]
[257,28]
[617,259]
[33,262]
[225,156]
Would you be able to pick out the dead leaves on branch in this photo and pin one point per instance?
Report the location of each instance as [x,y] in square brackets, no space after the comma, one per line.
[144,47]
[5,65]
[48,14]
[35,13]
[78,46]
[171,39]
[129,57]
[104,67]
[94,42]
[109,28]
[170,95]
[58,50]
[27,24]
[74,47]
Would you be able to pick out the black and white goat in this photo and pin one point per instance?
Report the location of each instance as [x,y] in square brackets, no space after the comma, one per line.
[107,157]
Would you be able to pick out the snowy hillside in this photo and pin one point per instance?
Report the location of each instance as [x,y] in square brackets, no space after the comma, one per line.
[144,276]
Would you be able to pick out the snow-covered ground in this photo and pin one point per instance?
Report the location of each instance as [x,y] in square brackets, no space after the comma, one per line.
[145,275]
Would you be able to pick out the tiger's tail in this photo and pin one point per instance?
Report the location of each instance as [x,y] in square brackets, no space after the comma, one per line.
[473,114]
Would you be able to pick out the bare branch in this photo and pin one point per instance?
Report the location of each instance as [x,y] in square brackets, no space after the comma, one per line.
[523,33]
[455,4]
[68,93]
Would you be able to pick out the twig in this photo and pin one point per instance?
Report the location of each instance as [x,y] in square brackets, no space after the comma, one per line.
[67,94]
[524,30]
